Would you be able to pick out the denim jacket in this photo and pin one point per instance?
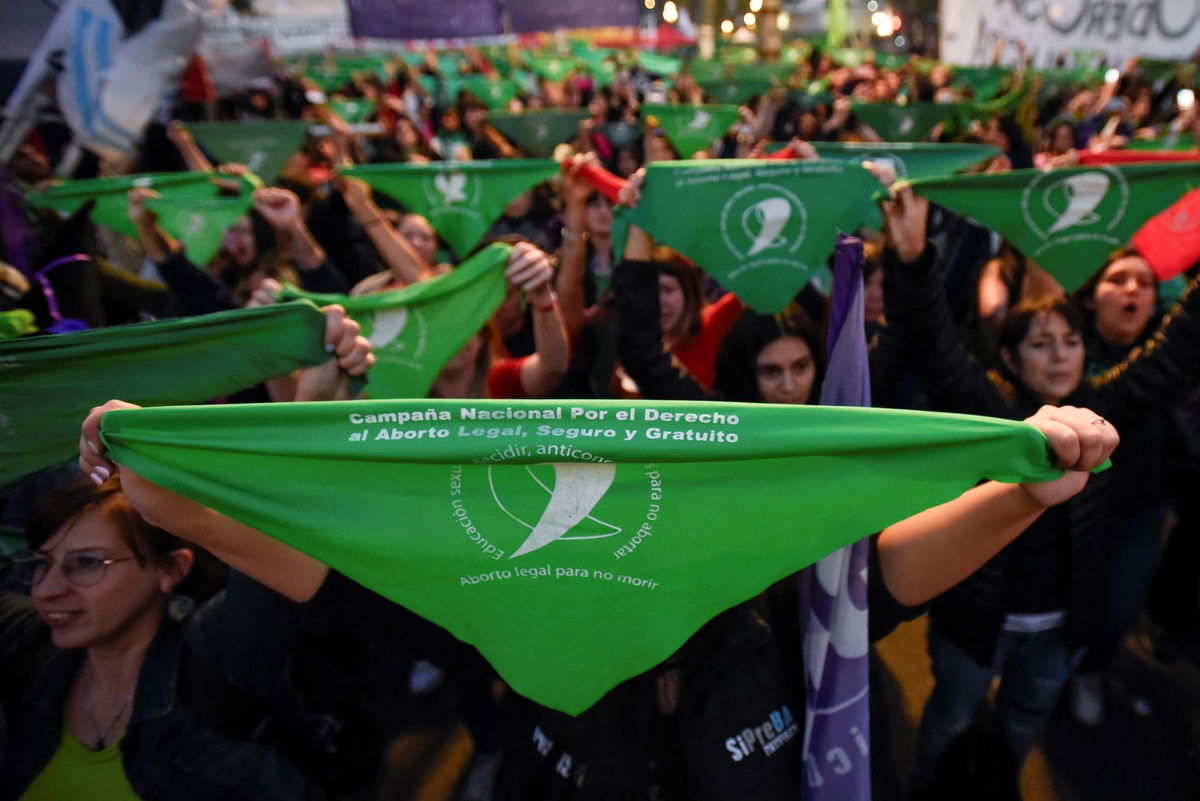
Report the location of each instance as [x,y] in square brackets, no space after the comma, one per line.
[167,751]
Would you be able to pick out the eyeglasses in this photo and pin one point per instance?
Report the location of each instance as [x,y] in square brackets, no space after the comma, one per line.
[79,568]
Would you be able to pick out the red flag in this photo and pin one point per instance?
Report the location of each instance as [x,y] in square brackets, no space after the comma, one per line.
[1137,156]
[1170,240]
[606,183]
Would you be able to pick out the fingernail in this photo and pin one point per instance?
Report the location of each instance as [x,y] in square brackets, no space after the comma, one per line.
[93,447]
[330,347]
[96,479]
[103,471]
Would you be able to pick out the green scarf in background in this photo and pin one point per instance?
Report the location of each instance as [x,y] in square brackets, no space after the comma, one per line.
[414,331]
[1068,220]
[537,132]
[199,223]
[264,147]
[692,128]
[461,198]
[909,123]
[767,225]
[575,543]
[112,208]
[50,382]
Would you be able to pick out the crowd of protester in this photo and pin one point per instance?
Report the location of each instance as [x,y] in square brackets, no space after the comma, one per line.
[283,679]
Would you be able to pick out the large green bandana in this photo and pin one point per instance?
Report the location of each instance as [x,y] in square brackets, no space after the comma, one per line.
[538,132]
[692,128]
[462,198]
[667,66]
[552,68]
[1168,141]
[112,207]
[414,331]
[767,226]
[264,147]
[1057,81]
[1067,220]
[909,123]
[50,382]
[198,223]
[574,543]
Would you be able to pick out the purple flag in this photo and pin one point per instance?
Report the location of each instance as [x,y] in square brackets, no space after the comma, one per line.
[546,15]
[833,592]
[424,19]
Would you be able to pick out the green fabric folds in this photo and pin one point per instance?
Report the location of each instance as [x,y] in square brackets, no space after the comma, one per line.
[768,225]
[199,223]
[462,198]
[17,323]
[50,382]
[112,208]
[264,147]
[732,91]
[495,93]
[1067,220]
[537,132]
[1169,141]
[575,543]
[353,111]
[909,123]
[692,128]
[984,82]
[414,331]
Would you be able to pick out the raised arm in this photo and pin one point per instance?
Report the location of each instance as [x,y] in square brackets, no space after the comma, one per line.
[266,560]
[529,270]
[405,263]
[926,554]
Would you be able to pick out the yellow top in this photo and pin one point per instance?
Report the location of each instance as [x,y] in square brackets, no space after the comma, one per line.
[77,773]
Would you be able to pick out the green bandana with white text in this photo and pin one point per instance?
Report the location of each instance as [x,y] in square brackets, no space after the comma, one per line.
[264,147]
[50,382]
[574,543]
[198,223]
[461,199]
[1068,220]
[414,331]
[692,128]
[537,132]
[768,226]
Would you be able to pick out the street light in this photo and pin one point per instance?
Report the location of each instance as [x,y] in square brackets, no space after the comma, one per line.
[756,5]
[749,19]
[783,21]
[649,4]
[726,26]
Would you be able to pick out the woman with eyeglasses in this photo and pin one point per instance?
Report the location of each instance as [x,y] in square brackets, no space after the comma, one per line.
[130,702]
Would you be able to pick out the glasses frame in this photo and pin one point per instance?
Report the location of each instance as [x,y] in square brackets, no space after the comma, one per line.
[43,562]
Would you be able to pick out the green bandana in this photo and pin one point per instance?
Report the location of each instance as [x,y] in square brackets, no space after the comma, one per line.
[736,92]
[910,160]
[264,147]
[496,93]
[461,199]
[553,69]
[1057,81]
[414,331]
[692,128]
[575,544]
[621,134]
[1067,220]
[353,111]
[198,223]
[666,66]
[984,82]
[1168,141]
[769,225]
[538,132]
[50,382]
[909,123]
[704,71]
[112,207]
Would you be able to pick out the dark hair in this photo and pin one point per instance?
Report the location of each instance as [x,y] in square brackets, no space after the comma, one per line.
[736,376]
[1015,326]
[150,545]
[674,264]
